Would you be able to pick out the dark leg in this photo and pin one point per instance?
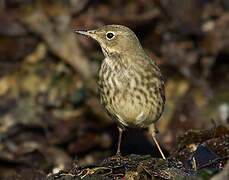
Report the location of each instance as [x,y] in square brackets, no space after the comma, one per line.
[119,141]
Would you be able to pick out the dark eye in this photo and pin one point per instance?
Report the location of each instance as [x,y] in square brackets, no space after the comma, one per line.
[110,35]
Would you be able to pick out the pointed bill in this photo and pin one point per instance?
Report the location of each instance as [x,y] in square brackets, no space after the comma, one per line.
[90,33]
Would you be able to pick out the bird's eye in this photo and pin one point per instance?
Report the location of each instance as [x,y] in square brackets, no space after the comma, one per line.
[110,35]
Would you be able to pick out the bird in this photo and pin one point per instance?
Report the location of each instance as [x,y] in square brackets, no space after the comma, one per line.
[131,86]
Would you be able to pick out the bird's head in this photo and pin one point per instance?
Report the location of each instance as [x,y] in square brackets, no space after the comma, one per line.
[114,39]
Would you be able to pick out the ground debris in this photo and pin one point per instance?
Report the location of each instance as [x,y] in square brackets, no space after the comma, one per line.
[129,167]
[215,139]
[195,161]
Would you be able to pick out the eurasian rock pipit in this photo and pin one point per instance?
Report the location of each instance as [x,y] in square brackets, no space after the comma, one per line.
[131,86]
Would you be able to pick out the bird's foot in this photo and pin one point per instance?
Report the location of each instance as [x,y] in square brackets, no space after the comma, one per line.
[116,161]
[118,158]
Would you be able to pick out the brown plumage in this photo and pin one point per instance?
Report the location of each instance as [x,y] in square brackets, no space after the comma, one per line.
[130,84]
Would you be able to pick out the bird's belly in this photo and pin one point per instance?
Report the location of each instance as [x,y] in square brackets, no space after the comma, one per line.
[132,112]
[126,107]
[127,100]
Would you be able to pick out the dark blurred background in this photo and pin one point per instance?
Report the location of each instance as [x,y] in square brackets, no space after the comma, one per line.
[49,108]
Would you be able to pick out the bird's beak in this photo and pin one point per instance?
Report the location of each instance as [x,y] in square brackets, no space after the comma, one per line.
[90,33]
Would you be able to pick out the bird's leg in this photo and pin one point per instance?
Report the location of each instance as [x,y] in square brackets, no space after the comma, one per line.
[119,141]
[155,141]
[118,158]
[158,146]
